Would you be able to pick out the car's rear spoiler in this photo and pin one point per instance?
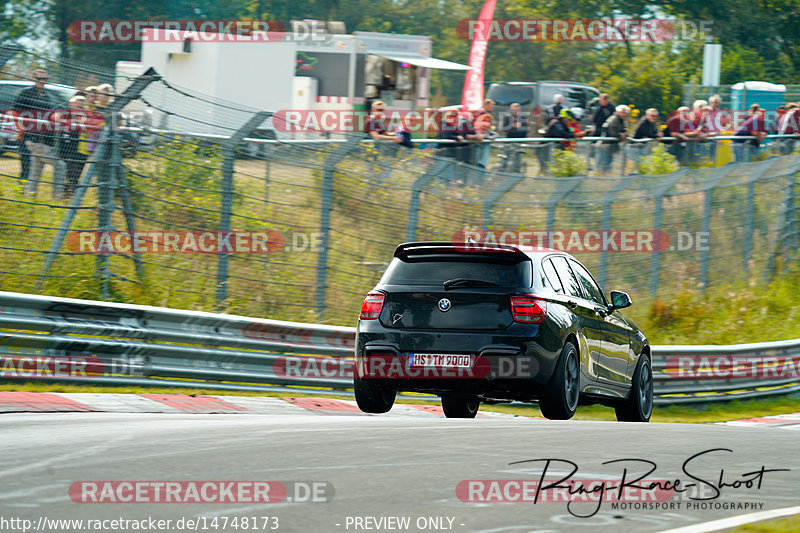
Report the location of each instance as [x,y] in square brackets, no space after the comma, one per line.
[411,249]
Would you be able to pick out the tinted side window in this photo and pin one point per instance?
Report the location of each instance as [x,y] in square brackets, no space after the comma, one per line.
[574,97]
[590,288]
[550,273]
[571,286]
[505,95]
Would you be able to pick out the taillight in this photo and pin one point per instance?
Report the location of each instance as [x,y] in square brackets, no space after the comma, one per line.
[528,308]
[371,308]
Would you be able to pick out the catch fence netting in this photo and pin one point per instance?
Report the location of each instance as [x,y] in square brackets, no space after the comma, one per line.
[227,212]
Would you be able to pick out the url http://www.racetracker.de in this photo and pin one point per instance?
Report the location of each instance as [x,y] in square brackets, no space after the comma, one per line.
[46,524]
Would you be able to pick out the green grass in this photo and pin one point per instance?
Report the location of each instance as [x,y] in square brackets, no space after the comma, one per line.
[783,525]
[684,414]
[702,414]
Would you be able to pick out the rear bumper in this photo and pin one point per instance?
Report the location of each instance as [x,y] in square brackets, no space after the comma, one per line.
[512,364]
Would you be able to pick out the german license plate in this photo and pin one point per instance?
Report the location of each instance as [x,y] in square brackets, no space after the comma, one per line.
[440,360]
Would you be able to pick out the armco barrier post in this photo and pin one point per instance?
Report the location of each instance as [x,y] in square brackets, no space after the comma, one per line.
[325,216]
[226,209]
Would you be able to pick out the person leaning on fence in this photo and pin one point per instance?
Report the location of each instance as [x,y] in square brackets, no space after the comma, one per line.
[375,127]
[789,124]
[459,129]
[575,127]
[484,125]
[559,127]
[674,136]
[646,128]
[615,127]
[702,130]
[554,110]
[746,149]
[514,125]
[37,135]
[70,147]
[95,105]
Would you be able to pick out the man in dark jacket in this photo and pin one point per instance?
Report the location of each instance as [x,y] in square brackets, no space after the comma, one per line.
[558,127]
[33,104]
[600,110]
[646,128]
[615,127]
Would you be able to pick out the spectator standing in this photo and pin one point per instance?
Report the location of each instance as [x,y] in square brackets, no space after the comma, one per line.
[559,127]
[745,149]
[718,120]
[375,126]
[459,129]
[484,125]
[38,138]
[70,149]
[600,109]
[575,127]
[615,127]
[789,125]
[676,139]
[554,110]
[515,125]
[646,128]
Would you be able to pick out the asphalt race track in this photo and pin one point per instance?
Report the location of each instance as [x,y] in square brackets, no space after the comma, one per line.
[372,468]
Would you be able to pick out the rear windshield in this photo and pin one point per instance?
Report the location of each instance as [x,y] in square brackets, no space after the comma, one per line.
[436,272]
[510,94]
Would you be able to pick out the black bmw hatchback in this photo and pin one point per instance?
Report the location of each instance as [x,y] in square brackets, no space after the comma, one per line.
[474,323]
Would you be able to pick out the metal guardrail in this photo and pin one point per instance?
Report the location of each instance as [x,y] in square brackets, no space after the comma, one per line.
[44,338]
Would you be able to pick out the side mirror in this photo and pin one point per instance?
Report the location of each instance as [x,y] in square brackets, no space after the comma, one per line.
[620,300]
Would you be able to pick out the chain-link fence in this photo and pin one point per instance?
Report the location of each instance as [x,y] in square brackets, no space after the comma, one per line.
[202,206]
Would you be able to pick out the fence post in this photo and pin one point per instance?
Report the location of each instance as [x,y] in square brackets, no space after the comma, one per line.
[563,188]
[509,183]
[226,208]
[438,168]
[325,216]
[605,223]
[707,205]
[105,199]
[749,221]
[131,93]
[658,199]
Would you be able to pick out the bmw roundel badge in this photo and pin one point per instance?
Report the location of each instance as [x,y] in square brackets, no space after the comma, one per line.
[444,305]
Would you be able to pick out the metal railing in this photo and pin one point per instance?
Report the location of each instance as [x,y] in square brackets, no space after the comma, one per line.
[104,343]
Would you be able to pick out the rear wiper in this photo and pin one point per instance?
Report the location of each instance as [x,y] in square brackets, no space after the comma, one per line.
[463,282]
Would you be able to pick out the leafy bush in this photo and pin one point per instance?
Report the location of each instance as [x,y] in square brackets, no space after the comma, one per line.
[659,161]
[567,163]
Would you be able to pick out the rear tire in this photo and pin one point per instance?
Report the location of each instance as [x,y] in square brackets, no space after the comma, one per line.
[639,405]
[559,400]
[372,398]
[460,406]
